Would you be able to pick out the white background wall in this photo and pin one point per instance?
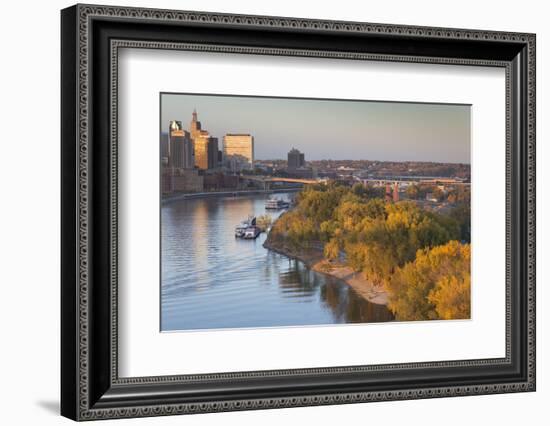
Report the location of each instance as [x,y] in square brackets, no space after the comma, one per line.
[29,211]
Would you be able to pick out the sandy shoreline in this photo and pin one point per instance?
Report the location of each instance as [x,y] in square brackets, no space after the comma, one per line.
[314,259]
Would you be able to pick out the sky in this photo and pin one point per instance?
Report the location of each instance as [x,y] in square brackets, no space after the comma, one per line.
[331,129]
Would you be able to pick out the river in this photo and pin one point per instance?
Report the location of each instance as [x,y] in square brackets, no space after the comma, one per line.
[212,280]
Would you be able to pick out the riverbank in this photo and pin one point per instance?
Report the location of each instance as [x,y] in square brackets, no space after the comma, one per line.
[313,258]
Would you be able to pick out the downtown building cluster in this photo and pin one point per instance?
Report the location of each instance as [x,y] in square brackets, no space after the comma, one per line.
[191,161]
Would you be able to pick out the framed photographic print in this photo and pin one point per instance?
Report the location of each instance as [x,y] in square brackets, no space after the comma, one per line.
[263,212]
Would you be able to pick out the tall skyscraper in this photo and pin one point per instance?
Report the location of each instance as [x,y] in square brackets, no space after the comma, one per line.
[195,125]
[206,146]
[296,159]
[206,152]
[180,147]
[212,152]
[238,150]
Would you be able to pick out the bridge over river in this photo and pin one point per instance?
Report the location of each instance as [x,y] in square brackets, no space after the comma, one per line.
[267,180]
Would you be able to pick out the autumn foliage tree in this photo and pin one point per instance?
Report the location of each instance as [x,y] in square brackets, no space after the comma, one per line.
[332,249]
[387,238]
[436,285]
[413,253]
[294,230]
[451,297]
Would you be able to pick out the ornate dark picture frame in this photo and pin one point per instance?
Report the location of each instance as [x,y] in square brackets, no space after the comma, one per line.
[90,385]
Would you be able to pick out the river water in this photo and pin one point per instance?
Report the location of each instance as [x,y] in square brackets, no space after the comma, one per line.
[212,280]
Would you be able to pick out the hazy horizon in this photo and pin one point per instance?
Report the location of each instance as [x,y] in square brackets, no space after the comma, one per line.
[331,129]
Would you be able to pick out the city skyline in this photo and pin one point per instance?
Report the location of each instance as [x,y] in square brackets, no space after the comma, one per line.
[370,130]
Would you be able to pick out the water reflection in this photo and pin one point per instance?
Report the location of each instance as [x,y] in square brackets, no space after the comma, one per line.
[210,279]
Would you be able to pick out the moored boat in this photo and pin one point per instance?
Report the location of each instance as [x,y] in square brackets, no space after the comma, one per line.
[276,204]
[251,233]
[241,228]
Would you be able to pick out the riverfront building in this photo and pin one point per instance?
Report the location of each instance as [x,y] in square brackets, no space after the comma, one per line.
[296,159]
[181,180]
[206,146]
[180,147]
[164,150]
[191,160]
[238,151]
[296,166]
[206,152]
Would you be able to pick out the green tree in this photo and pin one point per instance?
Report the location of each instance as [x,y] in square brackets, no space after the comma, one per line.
[375,192]
[413,191]
[359,189]
[461,214]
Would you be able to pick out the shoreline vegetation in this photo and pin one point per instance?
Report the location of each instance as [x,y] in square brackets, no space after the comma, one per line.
[393,253]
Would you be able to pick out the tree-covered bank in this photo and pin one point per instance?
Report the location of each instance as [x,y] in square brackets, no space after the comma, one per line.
[421,258]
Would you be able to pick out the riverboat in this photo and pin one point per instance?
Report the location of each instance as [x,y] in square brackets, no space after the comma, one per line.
[276,204]
[241,228]
[251,233]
